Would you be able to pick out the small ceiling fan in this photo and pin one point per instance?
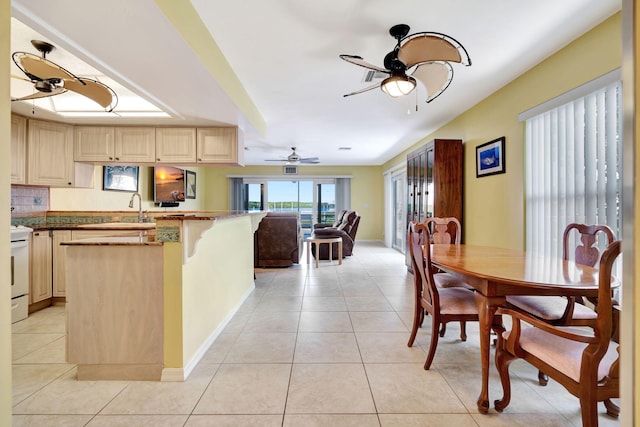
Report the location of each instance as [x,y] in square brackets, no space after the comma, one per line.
[295,159]
[51,79]
[426,55]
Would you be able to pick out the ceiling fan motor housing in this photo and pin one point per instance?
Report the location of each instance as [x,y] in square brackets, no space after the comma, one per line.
[44,86]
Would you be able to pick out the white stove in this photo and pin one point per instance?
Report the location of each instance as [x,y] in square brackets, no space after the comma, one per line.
[20,236]
[20,232]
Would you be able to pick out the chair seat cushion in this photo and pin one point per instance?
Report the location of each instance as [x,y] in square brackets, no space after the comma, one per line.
[563,354]
[550,307]
[446,280]
[457,301]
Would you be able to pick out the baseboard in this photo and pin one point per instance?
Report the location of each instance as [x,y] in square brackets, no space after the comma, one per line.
[181,374]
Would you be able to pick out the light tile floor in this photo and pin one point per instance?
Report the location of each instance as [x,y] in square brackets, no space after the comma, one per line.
[310,347]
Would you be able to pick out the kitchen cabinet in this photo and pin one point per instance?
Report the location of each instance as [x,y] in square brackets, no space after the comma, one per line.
[18,149]
[50,159]
[175,145]
[48,262]
[93,144]
[135,144]
[59,236]
[434,180]
[220,145]
[114,144]
[40,265]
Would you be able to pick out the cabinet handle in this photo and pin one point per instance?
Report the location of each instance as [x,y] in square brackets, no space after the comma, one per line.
[69,183]
[110,158]
[117,158]
[158,159]
[199,160]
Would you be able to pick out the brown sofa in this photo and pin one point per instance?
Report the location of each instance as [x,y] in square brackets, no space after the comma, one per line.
[278,240]
[346,226]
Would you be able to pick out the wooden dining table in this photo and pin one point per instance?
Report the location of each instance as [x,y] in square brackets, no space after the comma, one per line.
[496,273]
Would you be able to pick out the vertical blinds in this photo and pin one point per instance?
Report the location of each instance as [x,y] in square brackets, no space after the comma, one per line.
[574,168]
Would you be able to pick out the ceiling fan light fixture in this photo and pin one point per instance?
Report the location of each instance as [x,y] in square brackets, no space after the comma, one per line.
[398,85]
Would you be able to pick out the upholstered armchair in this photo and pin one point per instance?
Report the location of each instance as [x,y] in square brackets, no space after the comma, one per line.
[278,240]
[347,229]
[335,224]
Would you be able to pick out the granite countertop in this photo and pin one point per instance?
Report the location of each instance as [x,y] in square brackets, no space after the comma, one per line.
[115,241]
[117,226]
[202,216]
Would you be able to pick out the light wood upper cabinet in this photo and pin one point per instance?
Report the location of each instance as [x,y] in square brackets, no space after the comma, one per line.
[40,265]
[135,144]
[175,145]
[50,154]
[18,150]
[94,144]
[114,144]
[219,146]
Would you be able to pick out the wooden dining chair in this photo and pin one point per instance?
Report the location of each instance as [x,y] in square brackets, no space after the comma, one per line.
[444,304]
[562,310]
[584,360]
[447,230]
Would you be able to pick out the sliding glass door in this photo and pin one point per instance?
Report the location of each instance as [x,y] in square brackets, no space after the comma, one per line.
[314,200]
[325,197]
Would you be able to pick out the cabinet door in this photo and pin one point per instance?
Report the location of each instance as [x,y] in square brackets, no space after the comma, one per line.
[135,145]
[176,145]
[50,154]
[18,149]
[40,280]
[93,144]
[430,190]
[59,287]
[218,145]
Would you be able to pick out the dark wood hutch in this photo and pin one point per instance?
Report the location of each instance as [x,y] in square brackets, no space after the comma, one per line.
[434,181]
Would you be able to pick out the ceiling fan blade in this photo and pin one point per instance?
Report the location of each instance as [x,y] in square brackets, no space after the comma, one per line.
[428,47]
[41,68]
[357,60]
[276,160]
[94,90]
[363,90]
[435,76]
[310,161]
[36,95]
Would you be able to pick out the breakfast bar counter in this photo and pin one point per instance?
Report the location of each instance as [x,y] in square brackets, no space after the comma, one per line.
[149,307]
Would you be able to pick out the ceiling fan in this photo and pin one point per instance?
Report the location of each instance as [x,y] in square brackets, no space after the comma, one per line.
[427,55]
[50,79]
[295,159]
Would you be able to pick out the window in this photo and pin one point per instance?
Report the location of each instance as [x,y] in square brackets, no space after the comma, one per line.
[574,167]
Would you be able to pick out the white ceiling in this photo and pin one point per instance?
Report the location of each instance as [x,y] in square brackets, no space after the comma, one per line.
[285,54]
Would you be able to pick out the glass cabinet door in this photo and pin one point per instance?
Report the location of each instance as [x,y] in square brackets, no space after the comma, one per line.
[429,190]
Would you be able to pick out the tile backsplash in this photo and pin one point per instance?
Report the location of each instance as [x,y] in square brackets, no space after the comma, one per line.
[28,200]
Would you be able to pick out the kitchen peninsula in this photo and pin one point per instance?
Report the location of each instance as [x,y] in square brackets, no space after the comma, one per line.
[148,308]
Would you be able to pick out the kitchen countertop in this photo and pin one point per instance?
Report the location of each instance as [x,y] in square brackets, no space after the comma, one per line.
[115,241]
[117,226]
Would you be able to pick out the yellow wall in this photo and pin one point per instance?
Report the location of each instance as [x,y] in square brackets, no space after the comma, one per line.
[215,279]
[5,194]
[367,190]
[494,205]
[95,199]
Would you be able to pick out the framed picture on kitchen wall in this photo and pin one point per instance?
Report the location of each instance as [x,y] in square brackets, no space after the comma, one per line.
[120,178]
[490,158]
[190,190]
